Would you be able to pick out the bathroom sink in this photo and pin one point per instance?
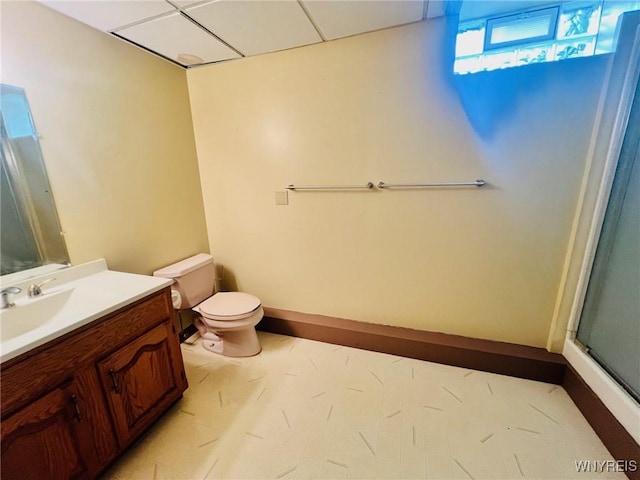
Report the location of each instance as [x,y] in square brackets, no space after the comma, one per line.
[32,313]
[75,298]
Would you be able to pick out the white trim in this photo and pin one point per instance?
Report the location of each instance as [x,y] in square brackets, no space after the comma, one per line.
[619,403]
[627,90]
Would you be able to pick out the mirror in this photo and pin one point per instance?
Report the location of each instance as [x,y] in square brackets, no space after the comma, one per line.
[30,232]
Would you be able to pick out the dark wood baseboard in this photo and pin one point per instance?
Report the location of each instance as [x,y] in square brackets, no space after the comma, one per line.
[486,355]
[618,441]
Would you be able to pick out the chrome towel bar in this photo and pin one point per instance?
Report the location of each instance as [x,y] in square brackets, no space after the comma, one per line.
[477,183]
[368,185]
[383,185]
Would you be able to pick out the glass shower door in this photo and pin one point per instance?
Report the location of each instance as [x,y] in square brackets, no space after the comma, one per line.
[610,322]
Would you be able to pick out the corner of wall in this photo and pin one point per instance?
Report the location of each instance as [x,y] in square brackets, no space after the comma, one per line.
[604,148]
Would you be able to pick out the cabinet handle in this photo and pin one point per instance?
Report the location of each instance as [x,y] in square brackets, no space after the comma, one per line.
[114,381]
[74,400]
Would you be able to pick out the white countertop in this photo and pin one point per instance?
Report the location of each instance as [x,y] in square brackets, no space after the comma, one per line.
[78,296]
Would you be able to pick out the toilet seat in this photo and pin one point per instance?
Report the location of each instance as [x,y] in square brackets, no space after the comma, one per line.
[226,306]
[227,324]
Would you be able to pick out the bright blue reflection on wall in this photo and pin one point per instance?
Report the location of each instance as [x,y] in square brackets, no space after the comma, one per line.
[492,99]
[547,33]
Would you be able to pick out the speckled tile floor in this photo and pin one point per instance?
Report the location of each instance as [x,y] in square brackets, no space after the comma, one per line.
[305,409]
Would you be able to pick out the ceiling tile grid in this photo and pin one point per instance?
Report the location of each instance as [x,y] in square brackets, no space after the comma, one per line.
[340,18]
[254,26]
[194,32]
[177,38]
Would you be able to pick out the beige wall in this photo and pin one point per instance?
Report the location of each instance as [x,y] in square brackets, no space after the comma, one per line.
[484,263]
[117,139]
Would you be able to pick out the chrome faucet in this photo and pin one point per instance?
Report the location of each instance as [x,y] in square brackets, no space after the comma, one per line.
[6,296]
[36,289]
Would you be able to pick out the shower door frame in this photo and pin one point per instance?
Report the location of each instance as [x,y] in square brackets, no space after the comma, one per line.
[616,399]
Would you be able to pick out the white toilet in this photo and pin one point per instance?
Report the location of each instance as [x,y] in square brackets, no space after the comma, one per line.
[227,320]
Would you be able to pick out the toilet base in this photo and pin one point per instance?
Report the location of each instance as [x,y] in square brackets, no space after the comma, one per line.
[231,343]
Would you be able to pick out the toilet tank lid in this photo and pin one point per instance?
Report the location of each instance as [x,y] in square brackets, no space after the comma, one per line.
[185,266]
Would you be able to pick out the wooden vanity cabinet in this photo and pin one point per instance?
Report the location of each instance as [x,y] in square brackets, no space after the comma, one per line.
[70,407]
[42,439]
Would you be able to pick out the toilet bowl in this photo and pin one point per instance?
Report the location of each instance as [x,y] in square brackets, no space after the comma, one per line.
[227,323]
[226,320]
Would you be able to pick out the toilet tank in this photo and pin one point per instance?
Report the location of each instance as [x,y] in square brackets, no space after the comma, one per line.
[193,276]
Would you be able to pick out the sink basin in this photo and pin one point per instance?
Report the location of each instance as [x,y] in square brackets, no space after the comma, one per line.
[75,298]
[32,314]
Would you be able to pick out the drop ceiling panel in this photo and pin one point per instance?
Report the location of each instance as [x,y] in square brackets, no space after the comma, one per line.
[174,36]
[106,16]
[257,26]
[340,18]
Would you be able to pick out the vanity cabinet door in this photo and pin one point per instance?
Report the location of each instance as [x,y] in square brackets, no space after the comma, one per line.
[43,440]
[142,379]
